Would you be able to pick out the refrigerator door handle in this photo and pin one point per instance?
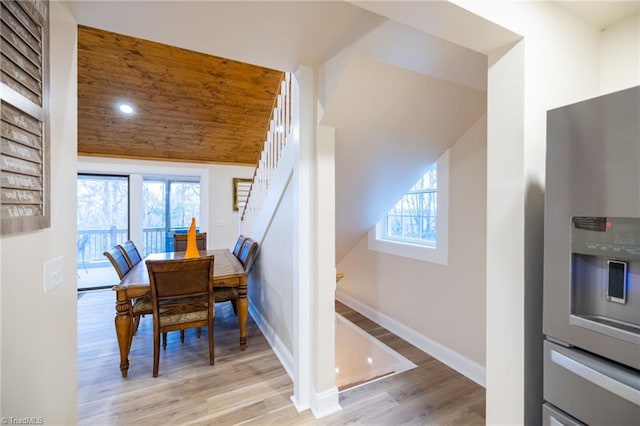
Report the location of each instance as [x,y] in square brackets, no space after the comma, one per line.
[614,386]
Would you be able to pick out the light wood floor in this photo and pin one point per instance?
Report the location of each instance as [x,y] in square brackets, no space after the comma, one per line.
[249,387]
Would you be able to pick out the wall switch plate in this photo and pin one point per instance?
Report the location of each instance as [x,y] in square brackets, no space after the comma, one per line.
[52,273]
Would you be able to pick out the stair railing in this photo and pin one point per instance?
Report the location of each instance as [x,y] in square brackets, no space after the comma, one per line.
[276,139]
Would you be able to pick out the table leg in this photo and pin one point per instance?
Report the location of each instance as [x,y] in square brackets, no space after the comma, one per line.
[243,311]
[124,327]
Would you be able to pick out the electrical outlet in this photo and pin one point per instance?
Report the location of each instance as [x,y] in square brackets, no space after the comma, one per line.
[52,273]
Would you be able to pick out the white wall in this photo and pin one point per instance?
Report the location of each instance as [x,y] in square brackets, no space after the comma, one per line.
[39,341]
[390,122]
[620,61]
[437,303]
[218,218]
[223,220]
[271,283]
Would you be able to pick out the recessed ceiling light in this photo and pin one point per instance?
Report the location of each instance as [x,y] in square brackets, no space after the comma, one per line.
[126,108]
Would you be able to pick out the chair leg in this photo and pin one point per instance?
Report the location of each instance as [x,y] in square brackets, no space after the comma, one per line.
[164,340]
[156,352]
[181,336]
[234,306]
[136,323]
[210,336]
[199,332]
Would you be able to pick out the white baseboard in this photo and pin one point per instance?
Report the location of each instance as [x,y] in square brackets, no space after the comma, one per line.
[300,407]
[460,363]
[325,403]
[285,357]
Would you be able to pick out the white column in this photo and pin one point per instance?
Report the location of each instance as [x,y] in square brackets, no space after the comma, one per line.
[302,136]
[505,241]
[326,393]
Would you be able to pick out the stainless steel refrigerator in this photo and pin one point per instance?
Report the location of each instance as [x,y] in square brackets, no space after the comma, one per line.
[591,303]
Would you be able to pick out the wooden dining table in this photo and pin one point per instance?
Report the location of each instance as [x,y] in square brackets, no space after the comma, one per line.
[227,270]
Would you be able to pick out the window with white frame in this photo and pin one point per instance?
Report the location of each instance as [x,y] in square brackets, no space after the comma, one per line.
[417,226]
[413,219]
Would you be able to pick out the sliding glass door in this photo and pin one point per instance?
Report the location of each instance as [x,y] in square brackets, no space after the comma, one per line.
[168,206]
[103,221]
[145,209]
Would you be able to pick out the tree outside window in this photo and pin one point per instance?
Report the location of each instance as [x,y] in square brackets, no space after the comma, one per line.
[413,218]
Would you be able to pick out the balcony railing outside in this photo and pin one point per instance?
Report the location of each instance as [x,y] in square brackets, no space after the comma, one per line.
[92,243]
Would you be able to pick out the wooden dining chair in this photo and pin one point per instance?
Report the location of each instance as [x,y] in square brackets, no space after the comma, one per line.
[180,244]
[180,241]
[131,253]
[238,246]
[247,253]
[118,259]
[244,249]
[181,298]
[140,306]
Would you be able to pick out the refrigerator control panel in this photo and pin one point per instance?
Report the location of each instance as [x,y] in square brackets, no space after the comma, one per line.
[611,237]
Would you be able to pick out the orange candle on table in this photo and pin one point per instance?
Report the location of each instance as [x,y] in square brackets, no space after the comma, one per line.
[192,247]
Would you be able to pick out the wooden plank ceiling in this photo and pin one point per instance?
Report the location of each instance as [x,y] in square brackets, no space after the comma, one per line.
[188,106]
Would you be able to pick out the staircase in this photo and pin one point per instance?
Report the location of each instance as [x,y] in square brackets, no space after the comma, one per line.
[283,120]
